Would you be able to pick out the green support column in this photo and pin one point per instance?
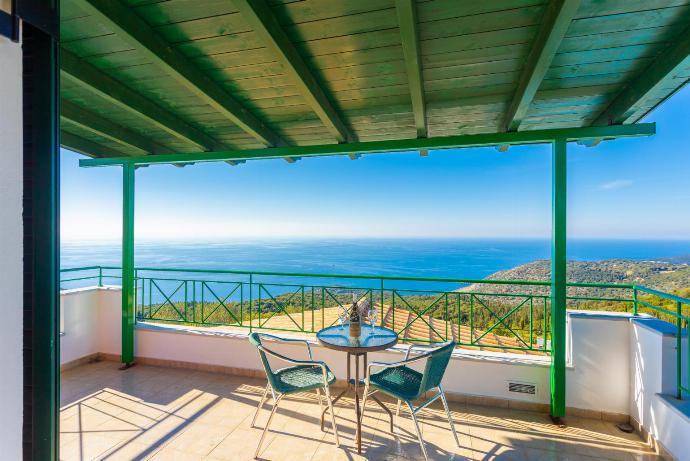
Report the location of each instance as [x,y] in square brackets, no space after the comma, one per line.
[558,278]
[41,248]
[128,264]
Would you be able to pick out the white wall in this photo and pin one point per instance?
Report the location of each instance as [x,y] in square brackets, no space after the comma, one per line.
[78,324]
[471,374]
[672,425]
[110,326]
[11,302]
[90,322]
[653,381]
[598,361]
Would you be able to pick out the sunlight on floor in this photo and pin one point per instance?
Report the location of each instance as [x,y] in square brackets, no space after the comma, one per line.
[167,414]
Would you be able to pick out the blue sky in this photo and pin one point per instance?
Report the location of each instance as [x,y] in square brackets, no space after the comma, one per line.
[628,188]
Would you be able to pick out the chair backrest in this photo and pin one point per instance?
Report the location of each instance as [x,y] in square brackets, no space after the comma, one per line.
[255,339]
[436,366]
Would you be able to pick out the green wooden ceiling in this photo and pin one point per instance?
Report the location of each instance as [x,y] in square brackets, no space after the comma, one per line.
[158,77]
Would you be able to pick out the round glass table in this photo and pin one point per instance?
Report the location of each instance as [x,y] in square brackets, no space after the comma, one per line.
[371,339]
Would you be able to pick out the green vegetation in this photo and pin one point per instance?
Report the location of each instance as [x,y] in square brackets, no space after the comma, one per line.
[513,311]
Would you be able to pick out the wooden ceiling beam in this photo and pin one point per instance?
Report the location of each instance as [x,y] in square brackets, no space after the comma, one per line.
[396,145]
[409,34]
[557,18]
[263,22]
[88,76]
[675,58]
[128,26]
[85,146]
[97,124]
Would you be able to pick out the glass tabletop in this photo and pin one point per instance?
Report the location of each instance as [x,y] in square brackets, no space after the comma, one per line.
[371,339]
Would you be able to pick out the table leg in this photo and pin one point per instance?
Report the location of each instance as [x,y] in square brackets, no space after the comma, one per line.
[348,369]
[357,410]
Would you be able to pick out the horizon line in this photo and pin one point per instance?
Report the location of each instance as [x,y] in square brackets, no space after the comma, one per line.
[234,239]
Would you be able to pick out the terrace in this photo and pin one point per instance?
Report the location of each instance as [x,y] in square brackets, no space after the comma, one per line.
[198,381]
[140,415]
[155,362]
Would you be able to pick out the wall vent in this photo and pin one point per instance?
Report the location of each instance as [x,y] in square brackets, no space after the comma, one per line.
[522,388]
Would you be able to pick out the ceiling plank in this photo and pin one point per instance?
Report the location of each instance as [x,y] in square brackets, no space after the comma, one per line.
[557,18]
[263,22]
[84,146]
[88,76]
[95,123]
[407,20]
[675,58]
[128,26]
[397,145]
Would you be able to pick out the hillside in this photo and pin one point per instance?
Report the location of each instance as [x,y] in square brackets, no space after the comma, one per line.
[669,276]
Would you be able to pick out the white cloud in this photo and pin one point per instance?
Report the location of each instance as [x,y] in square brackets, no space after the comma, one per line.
[617,184]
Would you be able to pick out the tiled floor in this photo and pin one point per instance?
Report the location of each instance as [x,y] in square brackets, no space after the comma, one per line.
[171,414]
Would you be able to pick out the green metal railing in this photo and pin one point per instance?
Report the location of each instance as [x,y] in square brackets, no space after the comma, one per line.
[262,300]
[93,273]
[420,309]
[676,310]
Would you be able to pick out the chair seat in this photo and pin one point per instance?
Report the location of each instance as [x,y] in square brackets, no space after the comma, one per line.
[401,382]
[301,378]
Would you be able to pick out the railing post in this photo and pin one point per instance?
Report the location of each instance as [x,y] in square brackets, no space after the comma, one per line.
[186,301]
[100,276]
[558,277]
[471,319]
[679,348]
[635,300]
[136,294]
[531,322]
[457,337]
[250,303]
[202,302]
[446,315]
[312,310]
[381,313]
[127,356]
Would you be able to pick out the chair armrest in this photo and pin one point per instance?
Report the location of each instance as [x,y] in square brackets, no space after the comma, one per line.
[412,346]
[396,364]
[291,340]
[316,363]
[404,362]
[408,352]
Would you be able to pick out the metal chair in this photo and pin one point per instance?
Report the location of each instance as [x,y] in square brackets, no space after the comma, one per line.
[304,375]
[405,384]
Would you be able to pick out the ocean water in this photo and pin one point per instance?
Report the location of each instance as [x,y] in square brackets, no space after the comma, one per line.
[442,258]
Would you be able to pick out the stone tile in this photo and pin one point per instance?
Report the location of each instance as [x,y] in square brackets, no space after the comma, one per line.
[198,438]
[240,444]
[176,455]
[91,445]
[151,412]
[128,451]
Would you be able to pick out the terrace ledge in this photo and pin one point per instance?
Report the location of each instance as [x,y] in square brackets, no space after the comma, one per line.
[657,326]
[487,356]
[71,291]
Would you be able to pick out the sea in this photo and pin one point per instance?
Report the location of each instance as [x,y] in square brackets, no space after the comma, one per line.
[429,258]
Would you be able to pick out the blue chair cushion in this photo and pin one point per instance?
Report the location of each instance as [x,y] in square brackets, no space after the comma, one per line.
[300,378]
[400,382]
